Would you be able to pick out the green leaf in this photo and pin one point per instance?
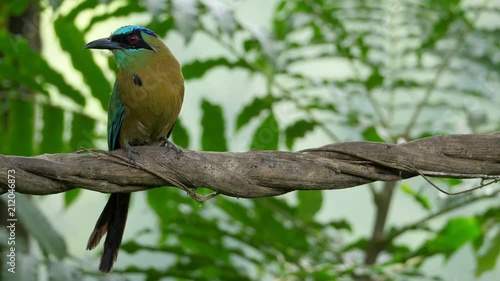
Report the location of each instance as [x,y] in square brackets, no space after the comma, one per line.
[132,7]
[166,201]
[52,131]
[38,225]
[352,118]
[71,41]
[82,128]
[317,103]
[46,74]
[488,260]
[451,182]
[439,30]
[20,127]
[3,133]
[15,52]
[298,130]
[213,136]
[275,226]
[267,135]
[251,44]
[374,80]
[162,27]
[454,235]
[157,199]
[370,134]
[281,27]
[236,211]
[341,225]
[253,110]
[447,5]
[199,68]
[38,74]
[78,9]
[360,40]
[180,134]
[17,7]
[131,247]
[309,203]
[70,196]
[422,200]
[57,80]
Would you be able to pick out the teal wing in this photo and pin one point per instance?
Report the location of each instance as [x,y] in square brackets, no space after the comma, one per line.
[116,112]
[114,216]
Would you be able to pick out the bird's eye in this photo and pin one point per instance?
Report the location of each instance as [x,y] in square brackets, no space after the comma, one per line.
[133,39]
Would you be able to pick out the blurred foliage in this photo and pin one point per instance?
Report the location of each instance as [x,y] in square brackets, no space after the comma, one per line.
[377,70]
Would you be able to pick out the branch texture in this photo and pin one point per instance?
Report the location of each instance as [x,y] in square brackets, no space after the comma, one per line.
[258,173]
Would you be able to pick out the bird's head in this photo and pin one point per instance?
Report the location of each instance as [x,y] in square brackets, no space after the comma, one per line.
[132,45]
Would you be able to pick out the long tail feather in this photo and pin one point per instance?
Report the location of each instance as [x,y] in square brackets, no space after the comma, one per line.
[101,226]
[112,220]
[116,227]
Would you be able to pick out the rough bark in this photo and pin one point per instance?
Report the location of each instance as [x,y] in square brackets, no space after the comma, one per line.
[259,173]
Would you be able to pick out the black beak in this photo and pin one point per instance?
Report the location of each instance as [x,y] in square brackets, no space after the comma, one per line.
[103,43]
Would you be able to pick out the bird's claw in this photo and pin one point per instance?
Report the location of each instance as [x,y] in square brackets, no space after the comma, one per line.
[128,148]
[171,145]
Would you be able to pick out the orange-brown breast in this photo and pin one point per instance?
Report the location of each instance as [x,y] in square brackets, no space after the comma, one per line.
[152,96]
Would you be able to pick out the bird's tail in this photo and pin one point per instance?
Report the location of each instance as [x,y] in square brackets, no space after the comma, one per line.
[112,220]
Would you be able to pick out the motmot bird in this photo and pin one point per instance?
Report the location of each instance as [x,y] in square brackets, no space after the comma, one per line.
[145,102]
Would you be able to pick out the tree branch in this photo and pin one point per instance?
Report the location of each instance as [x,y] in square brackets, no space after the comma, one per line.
[377,241]
[259,173]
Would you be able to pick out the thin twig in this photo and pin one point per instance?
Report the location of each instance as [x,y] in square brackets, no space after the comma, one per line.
[458,192]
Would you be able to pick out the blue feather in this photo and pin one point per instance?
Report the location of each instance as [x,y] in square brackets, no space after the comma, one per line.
[130,28]
[116,113]
[113,142]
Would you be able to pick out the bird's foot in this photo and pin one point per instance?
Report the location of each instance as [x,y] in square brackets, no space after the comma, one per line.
[110,155]
[129,150]
[171,145]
